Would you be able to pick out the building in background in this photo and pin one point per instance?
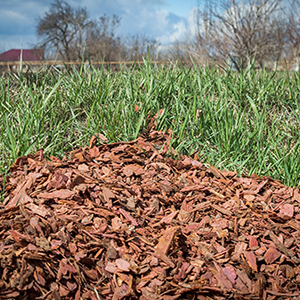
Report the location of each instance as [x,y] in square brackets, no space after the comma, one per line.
[28,55]
[8,58]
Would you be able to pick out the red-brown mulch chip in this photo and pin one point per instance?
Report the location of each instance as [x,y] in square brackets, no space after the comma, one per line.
[126,221]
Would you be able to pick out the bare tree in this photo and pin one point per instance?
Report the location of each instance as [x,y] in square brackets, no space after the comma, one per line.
[64,29]
[201,45]
[102,42]
[139,46]
[198,42]
[243,31]
[234,31]
[293,32]
[179,50]
[70,32]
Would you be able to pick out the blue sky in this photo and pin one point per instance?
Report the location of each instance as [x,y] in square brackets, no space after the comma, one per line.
[164,20]
[180,7]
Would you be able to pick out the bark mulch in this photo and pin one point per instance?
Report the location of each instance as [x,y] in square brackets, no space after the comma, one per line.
[127,221]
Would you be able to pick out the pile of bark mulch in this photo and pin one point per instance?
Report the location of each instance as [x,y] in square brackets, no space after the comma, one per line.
[126,221]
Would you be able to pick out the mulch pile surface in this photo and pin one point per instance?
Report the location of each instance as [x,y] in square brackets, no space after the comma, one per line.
[126,221]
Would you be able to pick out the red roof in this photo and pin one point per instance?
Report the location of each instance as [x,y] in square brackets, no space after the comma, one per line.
[28,55]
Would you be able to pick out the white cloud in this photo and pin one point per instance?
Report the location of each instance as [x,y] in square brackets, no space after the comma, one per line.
[181,30]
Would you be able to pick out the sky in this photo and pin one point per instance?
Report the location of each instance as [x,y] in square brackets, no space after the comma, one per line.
[164,20]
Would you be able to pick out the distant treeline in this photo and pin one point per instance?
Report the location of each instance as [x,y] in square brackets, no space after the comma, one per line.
[234,32]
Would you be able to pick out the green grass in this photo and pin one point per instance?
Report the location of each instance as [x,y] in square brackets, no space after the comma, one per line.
[247,121]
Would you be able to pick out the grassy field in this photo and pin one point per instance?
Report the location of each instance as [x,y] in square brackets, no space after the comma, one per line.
[247,121]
